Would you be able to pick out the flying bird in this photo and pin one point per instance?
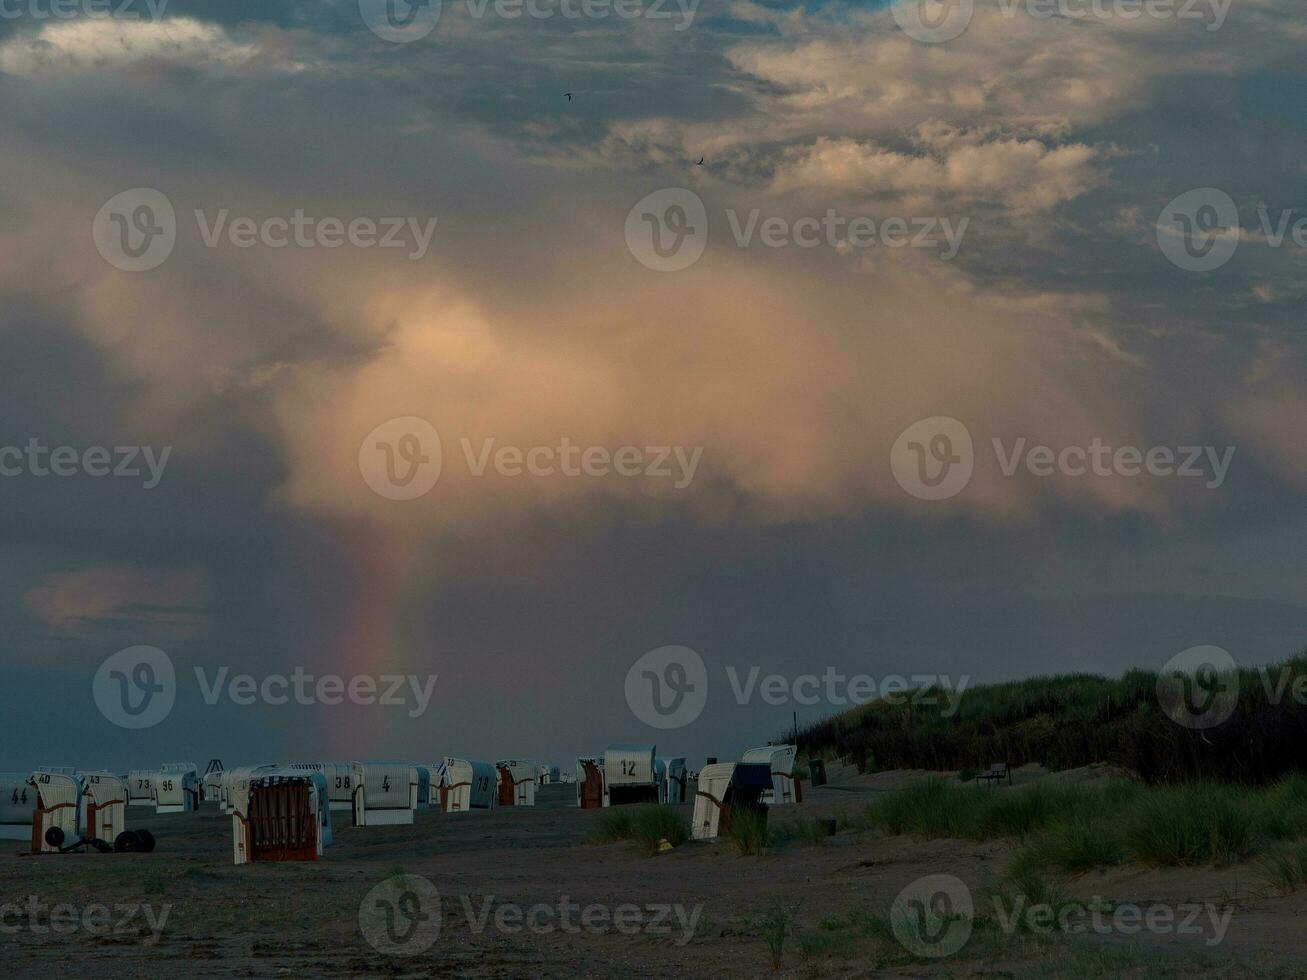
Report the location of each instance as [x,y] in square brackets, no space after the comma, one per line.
[569,96]
[700,163]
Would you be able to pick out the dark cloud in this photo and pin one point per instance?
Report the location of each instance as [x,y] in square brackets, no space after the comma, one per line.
[261,549]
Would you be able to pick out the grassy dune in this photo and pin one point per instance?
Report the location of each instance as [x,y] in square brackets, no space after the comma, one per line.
[1073,720]
[1076,828]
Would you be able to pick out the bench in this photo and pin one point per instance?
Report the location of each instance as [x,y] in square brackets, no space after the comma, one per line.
[997,773]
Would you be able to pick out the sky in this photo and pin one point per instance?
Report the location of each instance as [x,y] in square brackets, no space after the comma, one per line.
[1079,228]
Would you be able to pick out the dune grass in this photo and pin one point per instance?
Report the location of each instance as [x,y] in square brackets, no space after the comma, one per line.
[748,831]
[613,824]
[1201,823]
[775,928]
[1078,844]
[805,831]
[1075,828]
[1285,815]
[648,824]
[936,808]
[1285,870]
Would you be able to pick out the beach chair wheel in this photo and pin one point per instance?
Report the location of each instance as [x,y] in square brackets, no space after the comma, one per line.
[54,837]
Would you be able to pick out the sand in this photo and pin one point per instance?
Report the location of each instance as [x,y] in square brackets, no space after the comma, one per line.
[695,911]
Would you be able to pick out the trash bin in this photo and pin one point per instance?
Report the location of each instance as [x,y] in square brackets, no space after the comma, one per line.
[817,769]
